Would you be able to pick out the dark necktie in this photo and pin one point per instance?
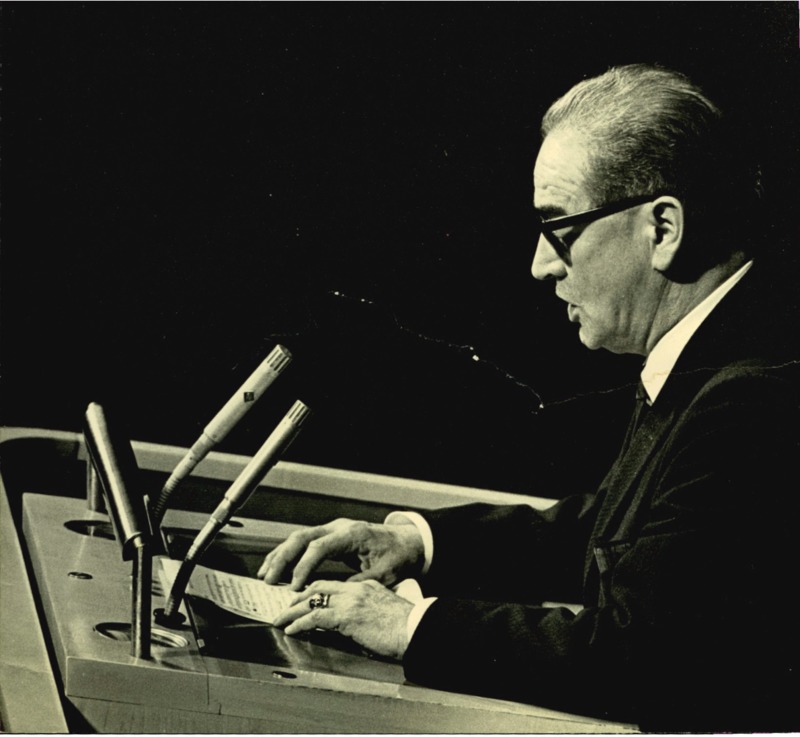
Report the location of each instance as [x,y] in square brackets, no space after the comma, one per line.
[640,410]
[639,413]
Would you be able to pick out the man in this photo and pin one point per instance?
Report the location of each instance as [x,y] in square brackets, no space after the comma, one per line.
[683,559]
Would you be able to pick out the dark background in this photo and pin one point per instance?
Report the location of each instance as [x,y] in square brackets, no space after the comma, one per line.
[185,185]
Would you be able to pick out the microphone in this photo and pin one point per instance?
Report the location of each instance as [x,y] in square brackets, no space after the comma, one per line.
[224,421]
[238,493]
[112,458]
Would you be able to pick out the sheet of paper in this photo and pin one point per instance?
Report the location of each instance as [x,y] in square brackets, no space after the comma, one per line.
[248,597]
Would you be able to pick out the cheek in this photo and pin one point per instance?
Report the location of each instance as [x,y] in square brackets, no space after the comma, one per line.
[605,312]
[610,285]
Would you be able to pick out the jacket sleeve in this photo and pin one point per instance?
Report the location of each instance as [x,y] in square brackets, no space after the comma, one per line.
[478,549]
[687,623]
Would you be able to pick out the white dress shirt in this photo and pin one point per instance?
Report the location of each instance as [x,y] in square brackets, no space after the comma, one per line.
[660,362]
[665,353]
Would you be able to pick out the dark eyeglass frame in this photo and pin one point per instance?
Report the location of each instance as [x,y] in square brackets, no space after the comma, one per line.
[585,217]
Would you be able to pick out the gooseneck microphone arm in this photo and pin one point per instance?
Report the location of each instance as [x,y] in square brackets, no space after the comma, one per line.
[224,421]
[238,493]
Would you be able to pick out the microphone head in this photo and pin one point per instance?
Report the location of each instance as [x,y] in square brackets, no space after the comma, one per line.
[112,456]
[298,413]
[266,457]
[278,358]
[248,394]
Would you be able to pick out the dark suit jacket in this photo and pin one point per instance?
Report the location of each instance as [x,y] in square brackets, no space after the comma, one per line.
[685,559]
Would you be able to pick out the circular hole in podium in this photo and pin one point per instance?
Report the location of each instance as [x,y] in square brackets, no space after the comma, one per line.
[121,632]
[91,528]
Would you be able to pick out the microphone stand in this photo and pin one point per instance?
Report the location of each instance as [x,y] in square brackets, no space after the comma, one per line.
[115,467]
[223,422]
[238,493]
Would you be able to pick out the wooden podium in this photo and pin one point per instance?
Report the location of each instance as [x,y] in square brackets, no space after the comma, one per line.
[217,673]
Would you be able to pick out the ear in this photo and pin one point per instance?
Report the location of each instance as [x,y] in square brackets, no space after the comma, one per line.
[666,228]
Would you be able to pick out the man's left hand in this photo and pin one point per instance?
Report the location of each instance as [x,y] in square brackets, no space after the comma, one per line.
[366,611]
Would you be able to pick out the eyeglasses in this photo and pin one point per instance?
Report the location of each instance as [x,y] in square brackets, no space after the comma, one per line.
[561,247]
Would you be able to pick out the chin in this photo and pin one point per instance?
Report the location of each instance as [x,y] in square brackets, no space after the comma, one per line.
[589,340]
[594,343]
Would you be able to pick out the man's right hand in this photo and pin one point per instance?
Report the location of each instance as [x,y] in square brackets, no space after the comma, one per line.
[384,553]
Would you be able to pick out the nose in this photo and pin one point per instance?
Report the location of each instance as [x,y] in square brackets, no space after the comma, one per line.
[546,262]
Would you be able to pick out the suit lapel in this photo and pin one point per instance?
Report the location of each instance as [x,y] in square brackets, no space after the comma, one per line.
[726,336]
[625,485]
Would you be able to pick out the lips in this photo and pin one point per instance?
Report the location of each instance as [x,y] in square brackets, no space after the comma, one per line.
[572,312]
[572,308]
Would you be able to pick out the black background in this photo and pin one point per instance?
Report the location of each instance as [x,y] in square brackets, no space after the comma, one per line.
[183,185]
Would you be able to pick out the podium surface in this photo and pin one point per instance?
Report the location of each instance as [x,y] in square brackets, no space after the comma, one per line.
[217,672]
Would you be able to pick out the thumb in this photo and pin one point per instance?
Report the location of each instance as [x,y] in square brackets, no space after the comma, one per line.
[373,574]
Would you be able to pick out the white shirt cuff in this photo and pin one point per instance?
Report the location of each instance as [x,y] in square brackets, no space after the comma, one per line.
[416,614]
[410,589]
[416,519]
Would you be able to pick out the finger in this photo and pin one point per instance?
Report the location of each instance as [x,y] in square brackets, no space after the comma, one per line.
[284,554]
[287,552]
[276,564]
[381,575]
[290,549]
[291,613]
[318,587]
[331,545]
[299,605]
[314,619]
[265,566]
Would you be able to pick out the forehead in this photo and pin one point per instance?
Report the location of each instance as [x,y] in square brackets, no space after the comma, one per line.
[559,176]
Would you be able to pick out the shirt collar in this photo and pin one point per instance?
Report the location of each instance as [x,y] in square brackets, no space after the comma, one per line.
[664,355]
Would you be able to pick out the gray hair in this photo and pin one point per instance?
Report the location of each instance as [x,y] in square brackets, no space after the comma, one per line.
[639,125]
[650,130]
